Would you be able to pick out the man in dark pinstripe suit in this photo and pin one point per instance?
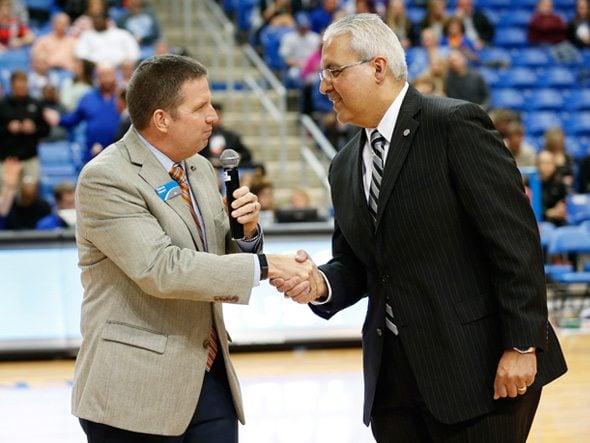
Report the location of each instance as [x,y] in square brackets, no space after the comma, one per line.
[456,342]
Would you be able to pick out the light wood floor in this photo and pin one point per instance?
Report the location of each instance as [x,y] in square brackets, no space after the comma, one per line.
[563,415]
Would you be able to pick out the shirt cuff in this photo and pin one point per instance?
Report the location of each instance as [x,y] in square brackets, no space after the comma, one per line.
[328,299]
[251,244]
[256,276]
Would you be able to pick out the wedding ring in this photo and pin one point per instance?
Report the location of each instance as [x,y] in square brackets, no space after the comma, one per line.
[521,388]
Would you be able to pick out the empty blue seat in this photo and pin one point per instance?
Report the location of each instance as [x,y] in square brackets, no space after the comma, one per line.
[536,123]
[578,208]
[517,17]
[508,98]
[510,37]
[579,100]
[578,124]
[546,100]
[518,77]
[491,56]
[558,77]
[55,153]
[491,76]
[575,147]
[532,57]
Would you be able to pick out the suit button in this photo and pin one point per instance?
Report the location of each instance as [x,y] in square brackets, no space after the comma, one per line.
[379,332]
[206,344]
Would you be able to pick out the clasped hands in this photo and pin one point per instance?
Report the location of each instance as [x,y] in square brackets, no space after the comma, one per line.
[297,277]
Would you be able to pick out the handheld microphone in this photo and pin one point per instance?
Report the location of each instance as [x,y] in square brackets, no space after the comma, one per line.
[230,160]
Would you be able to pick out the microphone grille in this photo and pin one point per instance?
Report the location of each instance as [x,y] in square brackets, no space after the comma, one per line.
[229,158]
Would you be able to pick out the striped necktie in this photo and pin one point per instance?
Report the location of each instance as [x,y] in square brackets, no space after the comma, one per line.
[378,148]
[177,173]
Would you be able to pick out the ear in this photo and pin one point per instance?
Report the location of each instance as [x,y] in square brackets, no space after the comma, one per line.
[380,68]
[161,120]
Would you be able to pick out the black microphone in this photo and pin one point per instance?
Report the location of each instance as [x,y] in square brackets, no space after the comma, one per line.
[230,160]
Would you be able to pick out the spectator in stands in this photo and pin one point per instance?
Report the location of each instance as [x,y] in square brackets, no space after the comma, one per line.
[398,21]
[523,153]
[263,188]
[435,18]
[84,22]
[57,46]
[98,108]
[554,191]
[455,38]
[126,70]
[546,26]
[222,138]
[12,168]
[309,80]
[22,125]
[50,99]
[323,15]
[555,142]
[275,13]
[73,89]
[478,27]
[578,29]
[502,117]
[296,47]
[465,83]
[124,119]
[39,74]
[299,198]
[28,207]
[63,214]
[107,45]
[431,45]
[435,75]
[141,21]
[13,32]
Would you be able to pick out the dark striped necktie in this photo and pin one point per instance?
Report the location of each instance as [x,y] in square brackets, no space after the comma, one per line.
[378,150]
[177,173]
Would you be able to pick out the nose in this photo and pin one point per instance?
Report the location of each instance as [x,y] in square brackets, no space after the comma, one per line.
[325,85]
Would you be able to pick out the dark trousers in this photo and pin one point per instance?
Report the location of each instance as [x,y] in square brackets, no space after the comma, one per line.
[214,420]
[400,415]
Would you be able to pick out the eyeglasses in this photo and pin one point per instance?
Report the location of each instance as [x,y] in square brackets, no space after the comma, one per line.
[332,73]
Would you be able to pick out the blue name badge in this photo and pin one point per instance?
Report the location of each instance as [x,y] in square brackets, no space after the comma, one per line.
[168,190]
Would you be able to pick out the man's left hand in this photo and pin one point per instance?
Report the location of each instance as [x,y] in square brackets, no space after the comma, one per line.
[246,209]
[515,373]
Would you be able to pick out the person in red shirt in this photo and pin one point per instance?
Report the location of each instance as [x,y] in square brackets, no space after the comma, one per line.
[13,33]
[545,25]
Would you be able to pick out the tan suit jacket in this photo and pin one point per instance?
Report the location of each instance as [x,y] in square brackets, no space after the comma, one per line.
[150,291]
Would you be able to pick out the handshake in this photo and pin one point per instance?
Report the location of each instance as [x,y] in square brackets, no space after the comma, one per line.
[297,277]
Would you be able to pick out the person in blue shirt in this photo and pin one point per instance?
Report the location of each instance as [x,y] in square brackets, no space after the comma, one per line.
[63,214]
[98,109]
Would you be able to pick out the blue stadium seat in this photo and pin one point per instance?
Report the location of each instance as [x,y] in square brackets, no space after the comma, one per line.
[493,4]
[510,37]
[491,76]
[531,57]
[578,208]
[558,77]
[509,98]
[55,153]
[518,77]
[536,123]
[547,100]
[517,17]
[415,14]
[575,147]
[491,56]
[579,100]
[578,124]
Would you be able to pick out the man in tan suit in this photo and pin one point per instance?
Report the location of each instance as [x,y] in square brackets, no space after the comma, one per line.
[157,257]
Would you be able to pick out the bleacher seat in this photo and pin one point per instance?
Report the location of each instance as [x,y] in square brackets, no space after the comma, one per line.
[579,100]
[518,77]
[55,153]
[546,100]
[517,17]
[509,98]
[537,122]
[492,56]
[510,37]
[578,124]
[578,208]
[415,14]
[558,77]
[491,76]
[575,147]
[531,57]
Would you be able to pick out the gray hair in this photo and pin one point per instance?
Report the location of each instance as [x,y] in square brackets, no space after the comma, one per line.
[371,37]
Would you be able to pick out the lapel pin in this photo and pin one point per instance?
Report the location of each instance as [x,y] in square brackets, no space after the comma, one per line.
[406,132]
[192,167]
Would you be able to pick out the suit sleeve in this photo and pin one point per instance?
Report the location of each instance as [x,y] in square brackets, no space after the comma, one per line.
[118,223]
[491,192]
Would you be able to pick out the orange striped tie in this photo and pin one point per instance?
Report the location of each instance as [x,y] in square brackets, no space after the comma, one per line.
[177,173]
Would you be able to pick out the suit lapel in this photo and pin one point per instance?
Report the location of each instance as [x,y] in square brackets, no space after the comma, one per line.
[155,175]
[401,141]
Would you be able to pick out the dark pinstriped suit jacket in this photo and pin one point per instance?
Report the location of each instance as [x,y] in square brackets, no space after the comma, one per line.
[456,249]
